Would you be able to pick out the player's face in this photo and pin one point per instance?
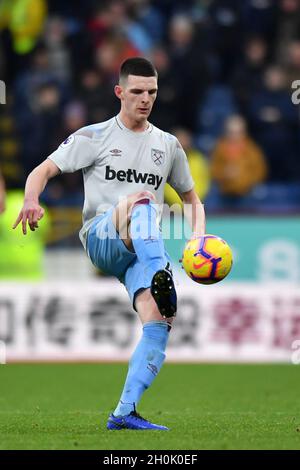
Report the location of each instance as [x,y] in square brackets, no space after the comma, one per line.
[137,96]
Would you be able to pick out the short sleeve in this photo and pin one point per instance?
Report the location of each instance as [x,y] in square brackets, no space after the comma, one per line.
[180,177]
[78,151]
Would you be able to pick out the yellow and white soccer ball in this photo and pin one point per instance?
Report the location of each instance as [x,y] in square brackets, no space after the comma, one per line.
[207,259]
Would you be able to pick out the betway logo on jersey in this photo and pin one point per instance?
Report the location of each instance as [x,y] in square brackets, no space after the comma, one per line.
[132,176]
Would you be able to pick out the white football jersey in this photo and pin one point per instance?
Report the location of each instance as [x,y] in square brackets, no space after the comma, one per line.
[117,162]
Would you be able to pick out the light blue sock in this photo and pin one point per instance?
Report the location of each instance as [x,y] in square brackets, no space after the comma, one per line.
[144,365]
[146,237]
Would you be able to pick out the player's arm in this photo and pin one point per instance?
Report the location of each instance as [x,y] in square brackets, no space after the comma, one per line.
[181,180]
[2,194]
[35,184]
[194,212]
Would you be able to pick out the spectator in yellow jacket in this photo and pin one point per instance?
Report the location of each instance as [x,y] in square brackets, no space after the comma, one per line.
[25,20]
[238,164]
[21,258]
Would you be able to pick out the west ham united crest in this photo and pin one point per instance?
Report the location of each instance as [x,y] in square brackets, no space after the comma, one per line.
[158,156]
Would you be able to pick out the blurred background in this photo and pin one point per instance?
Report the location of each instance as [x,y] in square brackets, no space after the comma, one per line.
[227,89]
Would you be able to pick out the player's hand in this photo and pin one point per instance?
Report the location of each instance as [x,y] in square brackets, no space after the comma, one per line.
[2,206]
[31,212]
[196,235]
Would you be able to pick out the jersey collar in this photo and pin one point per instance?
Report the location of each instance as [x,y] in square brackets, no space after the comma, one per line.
[124,128]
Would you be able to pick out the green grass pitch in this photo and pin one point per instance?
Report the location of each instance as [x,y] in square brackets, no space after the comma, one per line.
[65,406]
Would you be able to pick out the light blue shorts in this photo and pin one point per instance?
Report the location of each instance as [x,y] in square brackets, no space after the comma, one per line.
[109,253]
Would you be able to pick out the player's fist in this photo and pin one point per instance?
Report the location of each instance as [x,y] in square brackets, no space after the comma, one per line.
[31,212]
[196,235]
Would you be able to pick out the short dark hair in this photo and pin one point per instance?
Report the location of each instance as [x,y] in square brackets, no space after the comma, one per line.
[137,66]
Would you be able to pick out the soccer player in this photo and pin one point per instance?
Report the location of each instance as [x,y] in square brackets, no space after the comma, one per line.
[126,162]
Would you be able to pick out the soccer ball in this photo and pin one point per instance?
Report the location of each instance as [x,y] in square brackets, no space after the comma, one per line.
[207,259]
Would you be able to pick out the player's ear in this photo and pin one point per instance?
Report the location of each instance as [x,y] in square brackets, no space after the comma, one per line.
[119,91]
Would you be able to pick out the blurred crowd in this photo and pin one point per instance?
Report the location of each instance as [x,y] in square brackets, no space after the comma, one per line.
[226,70]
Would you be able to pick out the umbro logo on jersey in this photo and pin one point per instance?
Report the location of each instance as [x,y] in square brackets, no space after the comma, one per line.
[116,152]
[132,176]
